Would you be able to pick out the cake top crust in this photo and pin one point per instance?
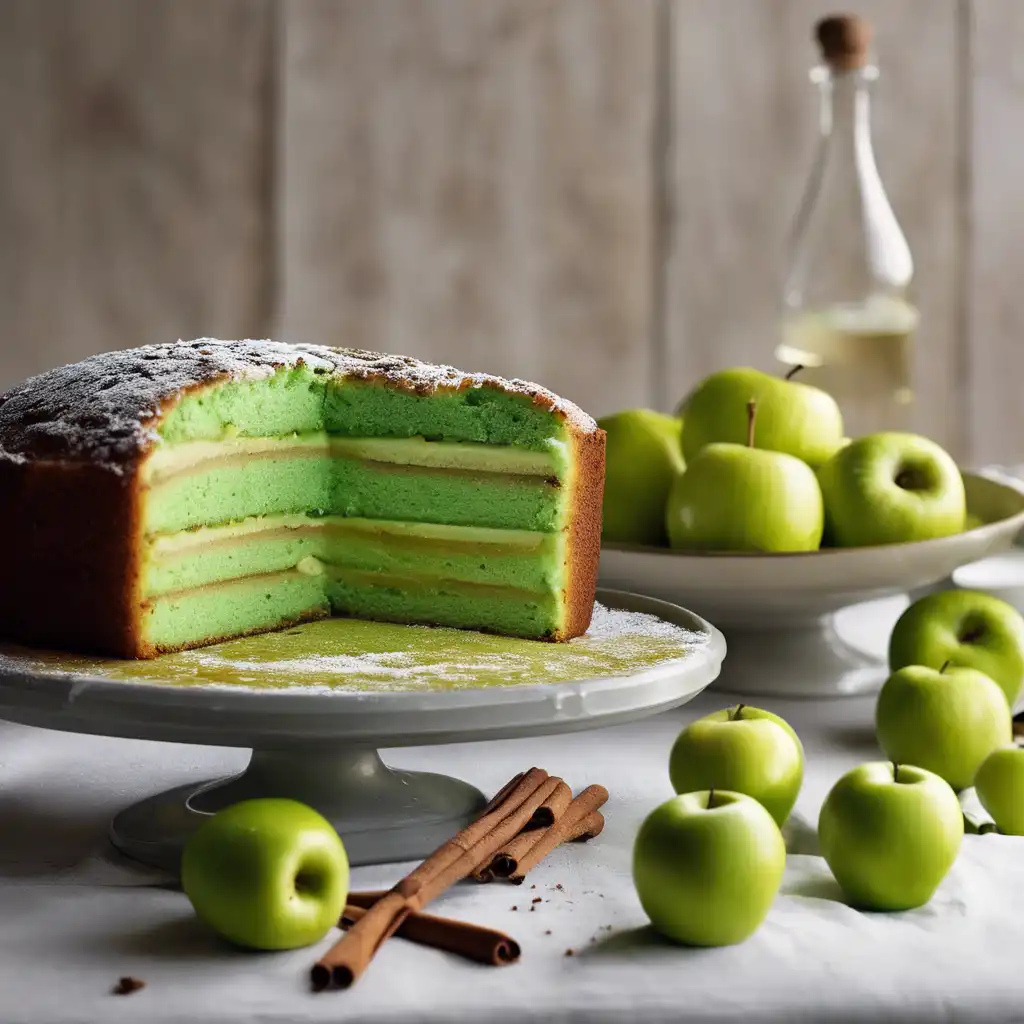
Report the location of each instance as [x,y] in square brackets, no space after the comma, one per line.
[105,409]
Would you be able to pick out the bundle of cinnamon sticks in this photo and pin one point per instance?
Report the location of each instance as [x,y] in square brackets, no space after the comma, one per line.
[528,817]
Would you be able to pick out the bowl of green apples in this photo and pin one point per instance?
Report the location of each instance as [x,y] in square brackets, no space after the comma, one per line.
[753,508]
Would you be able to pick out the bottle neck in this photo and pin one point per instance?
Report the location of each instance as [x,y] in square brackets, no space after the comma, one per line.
[844,119]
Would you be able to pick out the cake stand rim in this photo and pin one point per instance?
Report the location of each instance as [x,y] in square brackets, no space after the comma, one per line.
[80,698]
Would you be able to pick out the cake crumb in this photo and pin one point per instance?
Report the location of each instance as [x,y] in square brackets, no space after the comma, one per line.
[127,985]
[547,931]
[514,907]
[570,952]
[536,899]
[559,886]
[532,908]
[533,887]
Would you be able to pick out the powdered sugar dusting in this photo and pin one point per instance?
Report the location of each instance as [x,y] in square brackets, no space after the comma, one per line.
[608,623]
[104,409]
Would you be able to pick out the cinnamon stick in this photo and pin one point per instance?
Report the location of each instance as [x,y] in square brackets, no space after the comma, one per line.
[474,942]
[545,815]
[584,805]
[506,862]
[503,793]
[553,808]
[454,860]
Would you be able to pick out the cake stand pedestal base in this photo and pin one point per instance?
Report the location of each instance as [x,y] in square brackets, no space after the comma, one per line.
[805,660]
[383,814]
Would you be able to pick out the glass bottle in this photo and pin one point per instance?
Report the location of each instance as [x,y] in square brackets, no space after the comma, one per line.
[847,315]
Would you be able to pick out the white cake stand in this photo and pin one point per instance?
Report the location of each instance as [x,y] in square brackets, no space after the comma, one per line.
[319,746]
[778,611]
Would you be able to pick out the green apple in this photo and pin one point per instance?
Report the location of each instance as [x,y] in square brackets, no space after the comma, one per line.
[736,497]
[707,866]
[793,418]
[889,489]
[266,874]
[946,721]
[643,456]
[744,750]
[890,834]
[967,628]
[1000,788]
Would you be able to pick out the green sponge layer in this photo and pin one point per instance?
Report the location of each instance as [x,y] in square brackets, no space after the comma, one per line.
[233,609]
[299,399]
[501,611]
[289,401]
[299,482]
[476,414]
[308,481]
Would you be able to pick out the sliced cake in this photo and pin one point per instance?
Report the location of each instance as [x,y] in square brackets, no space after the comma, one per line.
[175,495]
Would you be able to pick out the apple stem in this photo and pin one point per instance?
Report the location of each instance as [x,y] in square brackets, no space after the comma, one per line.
[738,711]
[794,371]
[751,421]
[895,772]
[945,665]
[711,798]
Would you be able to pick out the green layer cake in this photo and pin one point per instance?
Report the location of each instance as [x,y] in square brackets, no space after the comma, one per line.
[176,495]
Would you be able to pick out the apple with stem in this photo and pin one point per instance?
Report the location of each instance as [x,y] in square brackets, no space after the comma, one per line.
[946,720]
[890,833]
[707,867]
[735,497]
[266,874]
[967,628]
[795,418]
[744,750]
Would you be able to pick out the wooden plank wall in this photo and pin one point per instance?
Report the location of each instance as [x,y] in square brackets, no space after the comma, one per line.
[471,182]
[133,175]
[592,193]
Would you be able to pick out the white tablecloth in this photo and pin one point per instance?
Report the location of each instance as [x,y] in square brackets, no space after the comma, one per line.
[73,918]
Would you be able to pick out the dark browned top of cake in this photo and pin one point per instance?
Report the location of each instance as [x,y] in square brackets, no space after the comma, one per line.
[104,408]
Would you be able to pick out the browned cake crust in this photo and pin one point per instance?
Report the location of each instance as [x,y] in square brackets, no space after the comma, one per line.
[584,547]
[72,438]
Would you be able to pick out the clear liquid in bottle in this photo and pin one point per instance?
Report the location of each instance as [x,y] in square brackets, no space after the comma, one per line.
[860,354]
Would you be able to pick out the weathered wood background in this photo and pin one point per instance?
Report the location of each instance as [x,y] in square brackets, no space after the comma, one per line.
[591,193]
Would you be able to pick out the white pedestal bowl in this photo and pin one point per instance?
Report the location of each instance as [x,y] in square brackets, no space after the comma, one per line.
[778,610]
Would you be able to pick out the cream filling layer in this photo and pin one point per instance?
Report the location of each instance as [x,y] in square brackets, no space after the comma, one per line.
[168,546]
[169,460]
[354,577]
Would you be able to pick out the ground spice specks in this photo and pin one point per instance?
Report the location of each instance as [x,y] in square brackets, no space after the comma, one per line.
[127,985]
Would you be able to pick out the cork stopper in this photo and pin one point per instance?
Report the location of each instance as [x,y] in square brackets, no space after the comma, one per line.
[844,40]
